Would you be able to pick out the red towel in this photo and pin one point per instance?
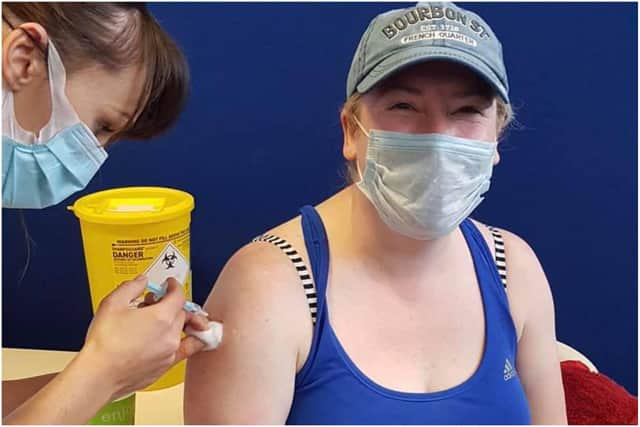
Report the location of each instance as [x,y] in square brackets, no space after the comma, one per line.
[593,398]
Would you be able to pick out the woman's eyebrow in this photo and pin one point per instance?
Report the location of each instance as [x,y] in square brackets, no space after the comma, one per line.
[400,87]
[474,92]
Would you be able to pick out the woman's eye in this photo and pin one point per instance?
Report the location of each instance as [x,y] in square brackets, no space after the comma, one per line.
[402,106]
[104,128]
[107,129]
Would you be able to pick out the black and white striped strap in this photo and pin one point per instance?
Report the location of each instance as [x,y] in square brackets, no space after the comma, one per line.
[301,268]
[501,260]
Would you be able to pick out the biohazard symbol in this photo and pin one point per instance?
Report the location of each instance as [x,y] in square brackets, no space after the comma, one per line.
[169,260]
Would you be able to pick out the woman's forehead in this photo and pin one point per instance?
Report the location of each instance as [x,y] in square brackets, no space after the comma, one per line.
[446,75]
[120,89]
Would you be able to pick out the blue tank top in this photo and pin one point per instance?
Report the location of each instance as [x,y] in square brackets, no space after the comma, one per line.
[330,389]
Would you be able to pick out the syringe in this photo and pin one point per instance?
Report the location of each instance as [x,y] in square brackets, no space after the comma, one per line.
[159,291]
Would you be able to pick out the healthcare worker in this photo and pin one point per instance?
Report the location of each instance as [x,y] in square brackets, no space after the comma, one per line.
[76,77]
[386,303]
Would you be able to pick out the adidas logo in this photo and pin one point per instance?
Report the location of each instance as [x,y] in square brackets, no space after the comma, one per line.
[509,370]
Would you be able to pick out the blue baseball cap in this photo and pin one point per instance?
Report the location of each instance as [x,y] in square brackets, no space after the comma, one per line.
[428,31]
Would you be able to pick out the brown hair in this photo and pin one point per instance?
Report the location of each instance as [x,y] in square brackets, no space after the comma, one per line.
[115,36]
[351,110]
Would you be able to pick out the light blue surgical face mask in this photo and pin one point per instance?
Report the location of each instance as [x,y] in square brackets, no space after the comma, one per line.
[43,170]
[424,185]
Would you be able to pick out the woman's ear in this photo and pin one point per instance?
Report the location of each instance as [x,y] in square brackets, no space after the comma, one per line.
[349,150]
[23,56]
[496,154]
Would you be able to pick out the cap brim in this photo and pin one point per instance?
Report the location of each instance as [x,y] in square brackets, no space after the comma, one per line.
[416,55]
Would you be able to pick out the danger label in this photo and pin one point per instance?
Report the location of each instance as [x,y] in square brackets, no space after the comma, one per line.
[157,256]
[169,263]
[128,254]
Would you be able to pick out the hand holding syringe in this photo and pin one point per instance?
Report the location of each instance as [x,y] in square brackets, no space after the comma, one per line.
[212,336]
[159,291]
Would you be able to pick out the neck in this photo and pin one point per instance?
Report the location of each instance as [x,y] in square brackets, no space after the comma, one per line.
[392,254]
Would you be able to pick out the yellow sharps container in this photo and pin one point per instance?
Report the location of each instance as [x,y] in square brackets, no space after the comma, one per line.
[132,231]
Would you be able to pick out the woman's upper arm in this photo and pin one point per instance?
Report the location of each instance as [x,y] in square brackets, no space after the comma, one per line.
[537,360]
[250,378]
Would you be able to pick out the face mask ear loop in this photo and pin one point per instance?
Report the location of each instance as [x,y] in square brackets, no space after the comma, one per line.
[359,173]
[355,119]
[62,112]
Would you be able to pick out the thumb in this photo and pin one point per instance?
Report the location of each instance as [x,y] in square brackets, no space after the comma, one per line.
[129,290]
[188,347]
[174,296]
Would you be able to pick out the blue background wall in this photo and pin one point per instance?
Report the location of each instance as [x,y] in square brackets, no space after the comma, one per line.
[261,137]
